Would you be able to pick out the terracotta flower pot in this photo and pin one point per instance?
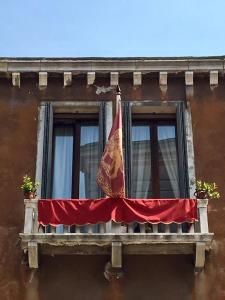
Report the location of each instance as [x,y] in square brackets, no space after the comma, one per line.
[29,195]
[201,194]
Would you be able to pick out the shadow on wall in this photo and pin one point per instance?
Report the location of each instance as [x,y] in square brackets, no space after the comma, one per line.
[145,277]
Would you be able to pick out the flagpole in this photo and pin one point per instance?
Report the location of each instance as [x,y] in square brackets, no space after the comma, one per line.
[118,98]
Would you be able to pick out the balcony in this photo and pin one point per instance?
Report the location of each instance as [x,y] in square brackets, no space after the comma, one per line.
[116,239]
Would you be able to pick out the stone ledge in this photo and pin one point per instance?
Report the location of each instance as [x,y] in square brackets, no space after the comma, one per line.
[110,65]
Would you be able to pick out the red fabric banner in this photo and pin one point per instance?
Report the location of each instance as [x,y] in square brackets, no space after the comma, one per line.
[90,211]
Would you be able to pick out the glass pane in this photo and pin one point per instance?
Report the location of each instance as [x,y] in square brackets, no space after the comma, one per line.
[141,162]
[168,168]
[89,161]
[62,168]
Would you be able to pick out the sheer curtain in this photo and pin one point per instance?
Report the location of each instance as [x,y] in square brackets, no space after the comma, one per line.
[168,167]
[89,160]
[62,167]
[141,162]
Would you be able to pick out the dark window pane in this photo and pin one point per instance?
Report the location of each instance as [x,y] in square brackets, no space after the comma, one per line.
[141,162]
[62,168]
[168,171]
[89,160]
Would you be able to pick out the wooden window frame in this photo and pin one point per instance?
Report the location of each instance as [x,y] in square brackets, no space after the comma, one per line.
[153,121]
[50,111]
[166,110]
[75,121]
[104,109]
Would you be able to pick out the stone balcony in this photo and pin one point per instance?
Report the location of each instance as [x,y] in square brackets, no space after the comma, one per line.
[116,239]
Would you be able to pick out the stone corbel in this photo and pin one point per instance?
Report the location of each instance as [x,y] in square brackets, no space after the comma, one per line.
[67,79]
[90,78]
[33,254]
[200,256]
[43,79]
[114,78]
[137,78]
[163,82]
[213,79]
[189,84]
[16,79]
[116,256]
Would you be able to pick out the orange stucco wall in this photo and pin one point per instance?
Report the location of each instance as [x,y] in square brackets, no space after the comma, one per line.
[81,277]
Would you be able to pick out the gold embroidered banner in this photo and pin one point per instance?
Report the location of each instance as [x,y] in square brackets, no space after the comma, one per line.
[110,175]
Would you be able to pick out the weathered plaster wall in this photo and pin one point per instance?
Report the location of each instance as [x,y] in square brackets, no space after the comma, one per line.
[208,117]
[146,277]
[18,126]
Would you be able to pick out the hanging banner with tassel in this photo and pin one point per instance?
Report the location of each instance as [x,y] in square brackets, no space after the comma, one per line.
[110,177]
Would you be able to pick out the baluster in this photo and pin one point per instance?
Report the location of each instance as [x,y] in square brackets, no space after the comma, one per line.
[192,228]
[102,228]
[179,228]
[41,229]
[53,229]
[130,228]
[155,228]
[116,227]
[148,228]
[66,229]
[167,228]
[90,228]
[77,229]
[142,228]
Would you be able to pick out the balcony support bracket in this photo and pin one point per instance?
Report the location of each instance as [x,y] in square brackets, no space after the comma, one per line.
[116,255]
[200,256]
[33,254]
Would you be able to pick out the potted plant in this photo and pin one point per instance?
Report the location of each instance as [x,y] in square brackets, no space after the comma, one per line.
[206,190]
[29,187]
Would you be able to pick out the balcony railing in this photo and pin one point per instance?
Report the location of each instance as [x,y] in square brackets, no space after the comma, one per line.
[113,238]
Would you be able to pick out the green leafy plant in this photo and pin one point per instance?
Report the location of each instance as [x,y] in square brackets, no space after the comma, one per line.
[206,190]
[28,185]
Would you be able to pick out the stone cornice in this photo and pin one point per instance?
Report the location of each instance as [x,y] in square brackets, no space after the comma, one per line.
[76,65]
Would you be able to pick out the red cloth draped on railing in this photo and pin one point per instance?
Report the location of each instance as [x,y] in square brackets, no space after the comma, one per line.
[90,211]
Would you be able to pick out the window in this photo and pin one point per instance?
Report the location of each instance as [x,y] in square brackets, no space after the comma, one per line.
[73,139]
[154,159]
[155,150]
[154,147]
[75,157]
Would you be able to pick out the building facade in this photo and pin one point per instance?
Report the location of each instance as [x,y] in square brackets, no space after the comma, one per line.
[55,118]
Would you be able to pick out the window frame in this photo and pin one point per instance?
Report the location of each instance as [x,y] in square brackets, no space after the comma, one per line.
[45,131]
[167,108]
[153,121]
[106,115]
[75,121]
